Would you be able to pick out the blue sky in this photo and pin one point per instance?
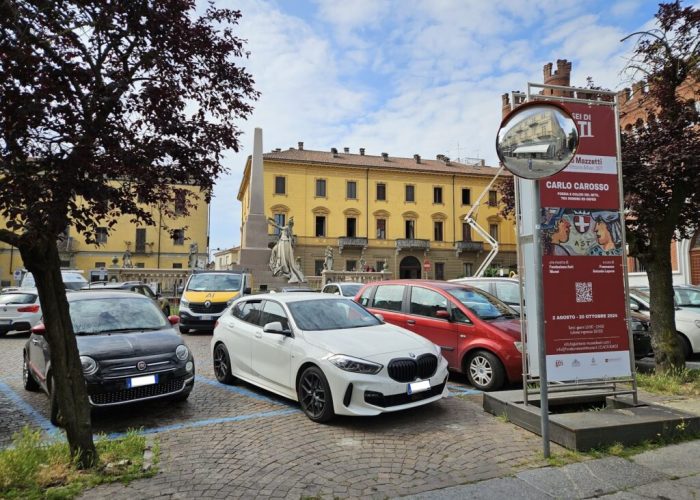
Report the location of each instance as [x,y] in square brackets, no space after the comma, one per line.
[409,76]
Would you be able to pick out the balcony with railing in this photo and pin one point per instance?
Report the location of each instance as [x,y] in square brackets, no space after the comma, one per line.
[351,242]
[412,244]
[65,244]
[468,246]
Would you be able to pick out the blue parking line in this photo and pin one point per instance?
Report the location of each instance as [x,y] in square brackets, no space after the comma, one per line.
[462,391]
[243,391]
[209,421]
[37,418]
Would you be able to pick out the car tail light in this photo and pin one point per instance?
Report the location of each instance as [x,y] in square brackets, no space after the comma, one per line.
[29,309]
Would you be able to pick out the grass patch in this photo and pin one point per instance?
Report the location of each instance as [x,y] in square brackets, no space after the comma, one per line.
[677,383]
[564,458]
[35,469]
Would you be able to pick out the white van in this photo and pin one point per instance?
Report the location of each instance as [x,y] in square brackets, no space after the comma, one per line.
[72,279]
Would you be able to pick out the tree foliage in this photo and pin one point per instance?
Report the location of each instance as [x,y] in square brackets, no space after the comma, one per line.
[660,159]
[104,106]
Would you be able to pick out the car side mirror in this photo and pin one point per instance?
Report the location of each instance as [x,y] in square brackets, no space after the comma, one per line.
[275,327]
[174,320]
[634,306]
[246,291]
[379,317]
[39,329]
[443,314]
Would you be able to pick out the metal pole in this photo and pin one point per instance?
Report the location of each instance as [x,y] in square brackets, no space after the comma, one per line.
[625,271]
[537,250]
[521,268]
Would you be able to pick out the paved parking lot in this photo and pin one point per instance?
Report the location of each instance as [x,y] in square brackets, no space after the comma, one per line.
[239,441]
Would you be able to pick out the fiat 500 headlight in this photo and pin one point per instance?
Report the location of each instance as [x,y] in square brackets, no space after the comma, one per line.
[355,365]
[89,365]
[182,352]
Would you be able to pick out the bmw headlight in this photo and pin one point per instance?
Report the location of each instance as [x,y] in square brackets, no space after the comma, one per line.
[355,365]
[184,303]
[182,352]
[89,365]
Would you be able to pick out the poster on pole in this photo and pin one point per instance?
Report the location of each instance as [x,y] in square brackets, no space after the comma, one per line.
[581,225]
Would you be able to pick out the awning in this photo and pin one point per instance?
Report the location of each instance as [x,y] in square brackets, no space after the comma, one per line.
[535,148]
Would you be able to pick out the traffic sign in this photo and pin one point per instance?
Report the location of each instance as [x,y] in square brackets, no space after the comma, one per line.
[427,265]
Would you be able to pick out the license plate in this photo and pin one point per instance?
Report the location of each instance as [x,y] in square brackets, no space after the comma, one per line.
[141,381]
[207,318]
[421,386]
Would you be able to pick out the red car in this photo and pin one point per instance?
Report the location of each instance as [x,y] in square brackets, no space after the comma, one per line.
[479,335]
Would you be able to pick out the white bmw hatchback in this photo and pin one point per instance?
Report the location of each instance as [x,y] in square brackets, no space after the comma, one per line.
[328,353]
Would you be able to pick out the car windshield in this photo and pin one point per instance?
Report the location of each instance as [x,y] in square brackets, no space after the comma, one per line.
[215,282]
[71,280]
[17,298]
[330,314]
[485,306]
[687,297]
[350,290]
[115,314]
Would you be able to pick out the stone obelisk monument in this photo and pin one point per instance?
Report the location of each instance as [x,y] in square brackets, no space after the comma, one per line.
[255,254]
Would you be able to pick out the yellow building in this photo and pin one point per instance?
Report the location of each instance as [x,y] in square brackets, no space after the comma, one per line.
[381,210]
[129,245]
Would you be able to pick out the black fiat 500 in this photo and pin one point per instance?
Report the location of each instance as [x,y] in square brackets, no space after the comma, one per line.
[129,351]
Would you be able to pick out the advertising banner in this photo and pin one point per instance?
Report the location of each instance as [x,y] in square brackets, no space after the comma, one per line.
[581,229]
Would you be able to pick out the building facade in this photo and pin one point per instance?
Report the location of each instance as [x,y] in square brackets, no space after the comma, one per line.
[130,246]
[405,215]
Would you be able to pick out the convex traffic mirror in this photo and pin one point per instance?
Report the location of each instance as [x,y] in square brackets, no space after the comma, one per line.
[537,139]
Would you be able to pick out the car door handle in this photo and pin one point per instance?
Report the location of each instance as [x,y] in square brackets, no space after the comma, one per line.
[258,335]
[35,341]
[411,321]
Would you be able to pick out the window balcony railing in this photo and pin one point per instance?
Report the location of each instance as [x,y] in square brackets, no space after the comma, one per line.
[412,244]
[468,246]
[65,244]
[351,242]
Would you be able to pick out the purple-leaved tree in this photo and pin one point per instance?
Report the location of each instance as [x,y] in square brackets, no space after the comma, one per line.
[103,107]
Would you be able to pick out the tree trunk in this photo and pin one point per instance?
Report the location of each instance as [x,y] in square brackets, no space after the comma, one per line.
[667,348]
[40,256]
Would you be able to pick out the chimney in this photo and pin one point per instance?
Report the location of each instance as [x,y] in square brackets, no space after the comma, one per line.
[505,105]
[417,158]
[385,156]
[447,160]
[362,151]
[335,152]
[440,157]
[277,150]
[301,146]
[346,150]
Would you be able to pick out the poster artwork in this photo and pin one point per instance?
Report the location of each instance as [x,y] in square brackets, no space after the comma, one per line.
[581,230]
[570,231]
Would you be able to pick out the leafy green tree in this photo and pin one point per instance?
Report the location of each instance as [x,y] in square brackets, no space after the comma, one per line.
[104,106]
[660,163]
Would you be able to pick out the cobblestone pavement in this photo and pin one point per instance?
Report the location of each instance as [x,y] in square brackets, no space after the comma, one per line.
[242,442]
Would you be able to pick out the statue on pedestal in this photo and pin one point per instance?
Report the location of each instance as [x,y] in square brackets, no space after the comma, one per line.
[328,263]
[282,262]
